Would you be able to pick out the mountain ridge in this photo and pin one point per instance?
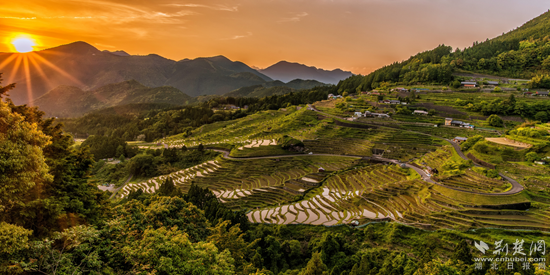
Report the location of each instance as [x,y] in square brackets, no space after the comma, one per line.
[287,71]
[82,65]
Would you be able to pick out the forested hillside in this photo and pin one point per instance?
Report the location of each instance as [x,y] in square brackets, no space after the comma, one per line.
[520,53]
[70,101]
[150,122]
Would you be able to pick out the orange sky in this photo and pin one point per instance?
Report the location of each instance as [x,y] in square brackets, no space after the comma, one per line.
[354,35]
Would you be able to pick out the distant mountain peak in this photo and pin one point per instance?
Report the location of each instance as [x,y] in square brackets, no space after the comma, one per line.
[119,52]
[287,71]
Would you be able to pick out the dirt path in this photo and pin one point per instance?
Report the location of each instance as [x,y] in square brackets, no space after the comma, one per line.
[124,184]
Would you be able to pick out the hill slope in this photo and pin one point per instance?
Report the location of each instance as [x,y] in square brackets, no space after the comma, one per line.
[274,88]
[70,101]
[521,53]
[287,71]
[81,65]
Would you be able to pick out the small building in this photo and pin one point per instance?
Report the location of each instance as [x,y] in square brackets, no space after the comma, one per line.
[404,103]
[373,93]
[420,112]
[400,89]
[459,140]
[358,114]
[354,223]
[469,84]
[394,101]
[448,121]
[369,114]
[540,162]
[543,93]
[527,93]
[494,83]
[321,169]
[456,123]
[330,96]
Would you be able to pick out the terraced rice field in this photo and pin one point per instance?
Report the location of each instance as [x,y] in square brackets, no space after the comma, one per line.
[182,177]
[472,181]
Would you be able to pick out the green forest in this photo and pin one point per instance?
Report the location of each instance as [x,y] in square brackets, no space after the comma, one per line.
[520,53]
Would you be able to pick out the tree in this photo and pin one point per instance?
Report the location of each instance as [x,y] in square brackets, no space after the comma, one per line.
[542,116]
[497,90]
[495,121]
[315,266]
[201,147]
[232,240]
[532,156]
[462,253]
[23,165]
[13,241]
[170,251]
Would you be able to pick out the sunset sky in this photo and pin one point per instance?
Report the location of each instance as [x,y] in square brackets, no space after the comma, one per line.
[354,35]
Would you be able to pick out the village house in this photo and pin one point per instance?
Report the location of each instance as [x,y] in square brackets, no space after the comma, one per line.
[358,114]
[394,101]
[540,162]
[420,112]
[448,121]
[459,140]
[373,93]
[380,115]
[469,84]
[400,89]
[494,83]
[231,107]
[542,93]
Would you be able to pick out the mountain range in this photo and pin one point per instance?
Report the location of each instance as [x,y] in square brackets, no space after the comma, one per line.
[287,71]
[83,66]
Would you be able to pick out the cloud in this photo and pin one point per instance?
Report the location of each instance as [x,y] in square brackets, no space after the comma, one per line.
[212,7]
[295,18]
[235,37]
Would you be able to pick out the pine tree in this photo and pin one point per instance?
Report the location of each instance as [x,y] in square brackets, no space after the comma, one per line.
[315,266]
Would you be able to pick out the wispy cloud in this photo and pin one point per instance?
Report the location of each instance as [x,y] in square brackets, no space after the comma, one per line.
[295,18]
[212,7]
[235,37]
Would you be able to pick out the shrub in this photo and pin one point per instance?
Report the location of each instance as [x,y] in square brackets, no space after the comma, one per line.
[532,156]
[495,121]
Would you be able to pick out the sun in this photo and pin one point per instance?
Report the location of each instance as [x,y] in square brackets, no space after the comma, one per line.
[23,44]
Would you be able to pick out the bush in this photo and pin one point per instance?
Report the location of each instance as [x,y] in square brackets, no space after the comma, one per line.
[497,90]
[532,156]
[542,116]
[495,121]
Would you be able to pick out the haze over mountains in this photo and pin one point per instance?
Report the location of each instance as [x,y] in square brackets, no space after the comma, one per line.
[287,71]
[71,101]
[83,66]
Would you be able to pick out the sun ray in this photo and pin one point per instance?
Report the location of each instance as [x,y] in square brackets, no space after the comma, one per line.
[28,79]
[15,69]
[57,69]
[7,61]
[41,72]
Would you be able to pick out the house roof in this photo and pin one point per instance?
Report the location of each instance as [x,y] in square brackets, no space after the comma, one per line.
[420,111]
[542,93]
[468,83]
[461,138]
[492,82]
[457,122]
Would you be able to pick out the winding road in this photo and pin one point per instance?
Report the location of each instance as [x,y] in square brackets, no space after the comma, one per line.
[516,186]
